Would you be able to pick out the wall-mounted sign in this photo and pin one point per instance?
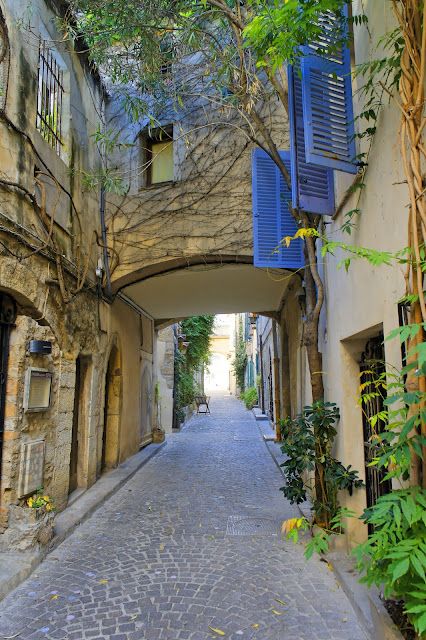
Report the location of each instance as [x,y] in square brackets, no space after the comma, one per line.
[31,467]
[38,385]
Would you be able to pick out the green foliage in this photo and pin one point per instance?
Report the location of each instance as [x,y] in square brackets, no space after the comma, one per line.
[277,31]
[395,553]
[307,443]
[249,397]
[239,363]
[197,331]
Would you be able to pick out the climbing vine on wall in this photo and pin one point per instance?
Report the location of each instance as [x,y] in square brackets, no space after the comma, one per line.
[239,363]
[196,332]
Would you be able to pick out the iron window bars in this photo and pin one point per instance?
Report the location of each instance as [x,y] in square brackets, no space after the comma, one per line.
[49,98]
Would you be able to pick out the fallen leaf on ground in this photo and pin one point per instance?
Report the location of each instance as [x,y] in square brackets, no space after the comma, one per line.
[103,581]
[161,547]
[55,597]
[218,631]
[280,601]
[277,613]
[255,626]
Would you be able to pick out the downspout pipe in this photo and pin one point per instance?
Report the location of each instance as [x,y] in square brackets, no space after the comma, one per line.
[102,201]
[108,289]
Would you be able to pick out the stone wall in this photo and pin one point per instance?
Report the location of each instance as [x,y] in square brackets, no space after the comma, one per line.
[48,256]
[165,349]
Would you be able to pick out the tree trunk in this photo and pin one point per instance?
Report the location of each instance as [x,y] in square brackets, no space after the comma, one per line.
[310,335]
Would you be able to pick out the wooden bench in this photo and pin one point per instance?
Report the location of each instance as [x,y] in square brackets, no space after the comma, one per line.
[202,401]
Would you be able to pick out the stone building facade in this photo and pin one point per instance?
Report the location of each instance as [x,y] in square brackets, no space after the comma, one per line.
[80,402]
[362,305]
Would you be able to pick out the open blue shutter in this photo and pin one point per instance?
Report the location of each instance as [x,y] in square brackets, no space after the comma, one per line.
[272,219]
[327,100]
[312,185]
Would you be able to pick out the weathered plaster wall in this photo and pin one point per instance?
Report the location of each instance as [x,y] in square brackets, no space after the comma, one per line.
[83,328]
[364,301]
[165,352]
[206,210]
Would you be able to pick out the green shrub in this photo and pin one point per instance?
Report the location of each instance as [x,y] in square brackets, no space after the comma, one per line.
[249,397]
[395,553]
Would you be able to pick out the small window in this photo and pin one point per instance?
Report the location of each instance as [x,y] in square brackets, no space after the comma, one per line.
[50,95]
[159,157]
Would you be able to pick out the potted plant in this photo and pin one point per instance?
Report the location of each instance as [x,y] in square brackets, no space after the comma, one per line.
[31,522]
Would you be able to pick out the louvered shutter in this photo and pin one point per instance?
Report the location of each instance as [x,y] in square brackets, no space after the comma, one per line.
[272,219]
[312,185]
[327,100]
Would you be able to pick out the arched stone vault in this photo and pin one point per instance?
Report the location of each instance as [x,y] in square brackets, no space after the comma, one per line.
[178,289]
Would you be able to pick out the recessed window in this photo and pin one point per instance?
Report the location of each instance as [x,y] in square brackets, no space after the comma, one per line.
[159,157]
[50,93]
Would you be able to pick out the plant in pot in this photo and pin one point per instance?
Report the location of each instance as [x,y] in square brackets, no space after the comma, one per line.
[311,469]
[31,522]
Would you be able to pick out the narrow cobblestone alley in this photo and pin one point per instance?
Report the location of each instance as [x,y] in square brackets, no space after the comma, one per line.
[177,550]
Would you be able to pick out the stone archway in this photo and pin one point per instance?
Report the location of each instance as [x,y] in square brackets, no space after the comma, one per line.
[110,450]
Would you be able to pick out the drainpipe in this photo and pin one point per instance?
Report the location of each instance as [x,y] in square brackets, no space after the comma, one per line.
[108,289]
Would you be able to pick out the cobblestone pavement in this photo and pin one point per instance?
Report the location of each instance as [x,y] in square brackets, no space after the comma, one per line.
[190,542]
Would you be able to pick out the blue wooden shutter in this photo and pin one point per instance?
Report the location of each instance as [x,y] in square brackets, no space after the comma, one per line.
[272,219]
[312,185]
[327,99]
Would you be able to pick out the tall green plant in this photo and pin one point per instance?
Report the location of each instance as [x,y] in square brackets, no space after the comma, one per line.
[394,555]
[239,363]
[307,443]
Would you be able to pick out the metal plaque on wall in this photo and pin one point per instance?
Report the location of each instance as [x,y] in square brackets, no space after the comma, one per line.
[31,468]
[38,383]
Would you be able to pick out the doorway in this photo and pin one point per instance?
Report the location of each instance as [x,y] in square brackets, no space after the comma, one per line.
[112,410]
[79,422]
[146,401]
[7,319]
[372,370]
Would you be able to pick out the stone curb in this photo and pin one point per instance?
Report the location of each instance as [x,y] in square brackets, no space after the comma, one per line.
[15,567]
[366,603]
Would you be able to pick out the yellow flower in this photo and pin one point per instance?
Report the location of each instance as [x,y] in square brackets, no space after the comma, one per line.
[46,498]
[30,502]
[48,507]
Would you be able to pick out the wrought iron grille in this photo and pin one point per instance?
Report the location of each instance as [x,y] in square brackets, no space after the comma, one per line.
[49,98]
[372,367]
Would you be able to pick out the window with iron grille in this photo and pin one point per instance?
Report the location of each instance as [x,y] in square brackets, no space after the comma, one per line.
[50,97]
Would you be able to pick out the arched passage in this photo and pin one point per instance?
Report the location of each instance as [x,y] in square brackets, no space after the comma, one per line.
[110,449]
[215,287]
[217,376]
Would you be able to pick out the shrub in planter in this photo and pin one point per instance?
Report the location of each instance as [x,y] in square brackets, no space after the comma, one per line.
[249,397]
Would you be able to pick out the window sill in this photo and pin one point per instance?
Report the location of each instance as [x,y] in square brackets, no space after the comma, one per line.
[158,184]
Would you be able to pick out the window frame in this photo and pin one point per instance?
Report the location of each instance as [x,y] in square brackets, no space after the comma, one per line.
[51,74]
[162,134]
